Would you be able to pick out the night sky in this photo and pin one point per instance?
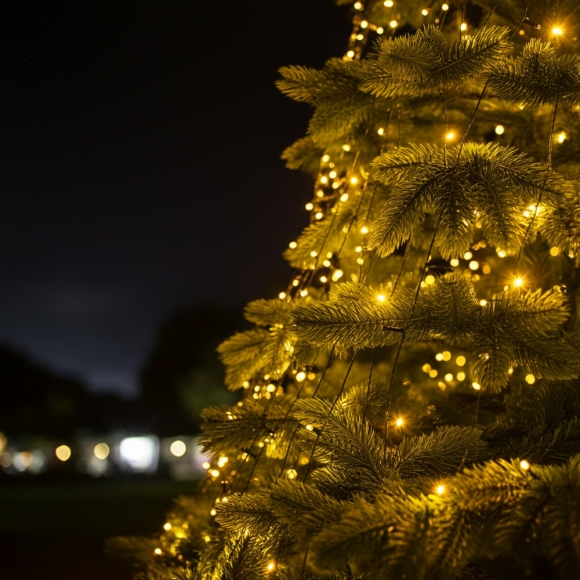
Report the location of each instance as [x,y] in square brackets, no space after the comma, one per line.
[140,167]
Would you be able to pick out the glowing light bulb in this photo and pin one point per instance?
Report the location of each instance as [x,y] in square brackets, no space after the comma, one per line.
[399,422]
[486,268]
[337,275]
[314,253]
[393,24]
[561,137]
[554,251]
[424,12]
[467,256]
[380,30]
[167,526]
[213,512]
[292,245]
[450,136]
[499,129]
[381,131]
[463,26]
[63,452]
[303,293]
[309,428]
[178,448]
[158,551]
[524,464]
[222,461]
[291,473]
[430,279]
[301,376]
[346,147]
[439,356]
[358,6]
[206,465]
[207,538]
[518,282]
[448,377]
[325,158]
[271,566]
[282,295]
[318,215]
[473,265]
[344,197]
[364,230]
[501,253]
[381,297]
[323,279]
[557,31]
[440,489]
[454,262]
[460,361]
[445,7]
[446,355]
[482,302]
[350,54]
[388,3]
[354,180]
[332,174]
[476,386]
[433,373]
[530,379]
[461,376]
[426,368]
[214,472]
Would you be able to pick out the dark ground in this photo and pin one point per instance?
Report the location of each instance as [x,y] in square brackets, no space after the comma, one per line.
[57,530]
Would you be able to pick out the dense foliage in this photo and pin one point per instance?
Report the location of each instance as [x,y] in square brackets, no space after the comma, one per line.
[411,402]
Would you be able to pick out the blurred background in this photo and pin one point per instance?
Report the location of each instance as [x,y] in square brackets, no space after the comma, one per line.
[142,204]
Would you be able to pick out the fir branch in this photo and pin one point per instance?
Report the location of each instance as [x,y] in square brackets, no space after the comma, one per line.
[423,63]
[538,76]
[441,452]
[237,428]
[268,312]
[242,355]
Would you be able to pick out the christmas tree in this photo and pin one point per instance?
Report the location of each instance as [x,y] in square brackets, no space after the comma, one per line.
[411,402]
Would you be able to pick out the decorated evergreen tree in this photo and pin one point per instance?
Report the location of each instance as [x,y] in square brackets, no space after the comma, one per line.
[411,404]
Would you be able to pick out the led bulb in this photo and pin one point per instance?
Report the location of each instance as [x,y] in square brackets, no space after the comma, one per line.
[393,24]
[499,129]
[557,31]
[399,422]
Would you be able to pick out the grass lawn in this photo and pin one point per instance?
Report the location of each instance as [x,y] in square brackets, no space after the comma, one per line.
[57,531]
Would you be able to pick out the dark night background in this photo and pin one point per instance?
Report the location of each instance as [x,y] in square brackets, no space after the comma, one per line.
[140,169]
